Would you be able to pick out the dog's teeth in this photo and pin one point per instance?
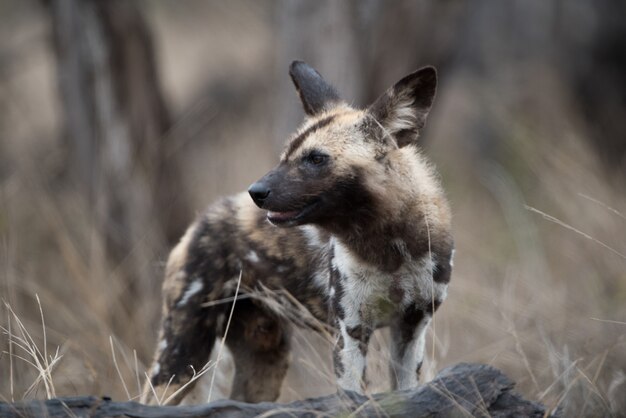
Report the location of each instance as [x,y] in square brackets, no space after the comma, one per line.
[282,215]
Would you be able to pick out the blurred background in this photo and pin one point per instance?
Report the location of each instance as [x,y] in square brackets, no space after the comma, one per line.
[121,121]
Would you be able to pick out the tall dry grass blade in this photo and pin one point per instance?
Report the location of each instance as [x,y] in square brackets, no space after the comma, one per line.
[223,301]
[126,360]
[29,342]
[592,386]
[370,401]
[169,382]
[520,350]
[600,366]
[137,374]
[25,360]
[36,358]
[578,401]
[609,321]
[219,353]
[31,349]
[604,205]
[117,368]
[557,380]
[571,228]
[314,368]
[42,376]
[195,376]
[443,391]
[152,388]
[11,377]
[45,338]
[68,410]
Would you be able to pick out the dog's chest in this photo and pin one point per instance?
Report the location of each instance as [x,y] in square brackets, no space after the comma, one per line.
[362,293]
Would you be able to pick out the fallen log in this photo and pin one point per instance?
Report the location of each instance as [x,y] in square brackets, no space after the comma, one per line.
[462,390]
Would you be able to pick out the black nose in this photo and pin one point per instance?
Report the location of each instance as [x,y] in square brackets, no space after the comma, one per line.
[259,192]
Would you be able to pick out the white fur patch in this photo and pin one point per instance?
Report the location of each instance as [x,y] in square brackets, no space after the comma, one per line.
[403,117]
[366,284]
[252,257]
[194,287]
[162,345]
[231,284]
[441,291]
[452,258]
[321,278]
[312,236]
[156,369]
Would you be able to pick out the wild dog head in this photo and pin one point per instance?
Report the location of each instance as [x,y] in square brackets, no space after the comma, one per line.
[332,168]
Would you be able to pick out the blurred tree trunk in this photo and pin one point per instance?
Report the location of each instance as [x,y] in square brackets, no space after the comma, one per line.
[117,124]
[351,43]
[332,49]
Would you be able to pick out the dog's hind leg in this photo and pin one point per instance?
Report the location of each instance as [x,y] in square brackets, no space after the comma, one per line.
[188,326]
[259,342]
[187,335]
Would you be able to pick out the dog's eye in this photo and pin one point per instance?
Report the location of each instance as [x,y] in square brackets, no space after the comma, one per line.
[316,158]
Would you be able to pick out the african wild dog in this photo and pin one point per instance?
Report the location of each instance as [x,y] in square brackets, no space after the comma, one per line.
[352,222]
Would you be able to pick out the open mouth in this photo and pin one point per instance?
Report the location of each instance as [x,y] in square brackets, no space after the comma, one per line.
[291,217]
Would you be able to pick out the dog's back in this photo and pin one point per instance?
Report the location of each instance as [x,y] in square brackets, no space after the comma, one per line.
[233,237]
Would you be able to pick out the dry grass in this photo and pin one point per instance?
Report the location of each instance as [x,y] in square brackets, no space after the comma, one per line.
[539,287]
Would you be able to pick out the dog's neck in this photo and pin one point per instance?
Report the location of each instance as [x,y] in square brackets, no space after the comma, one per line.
[388,221]
[386,245]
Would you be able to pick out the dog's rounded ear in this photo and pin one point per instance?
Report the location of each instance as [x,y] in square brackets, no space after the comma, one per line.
[402,109]
[315,93]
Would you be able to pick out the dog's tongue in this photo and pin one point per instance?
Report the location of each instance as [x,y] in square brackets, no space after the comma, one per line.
[282,215]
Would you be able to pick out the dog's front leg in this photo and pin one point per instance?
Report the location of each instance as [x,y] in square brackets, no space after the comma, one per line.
[408,341]
[349,354]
